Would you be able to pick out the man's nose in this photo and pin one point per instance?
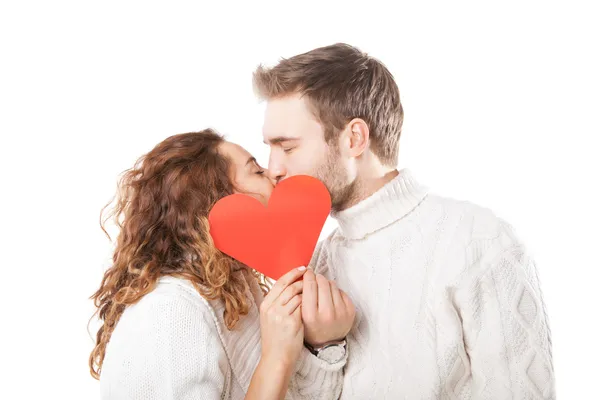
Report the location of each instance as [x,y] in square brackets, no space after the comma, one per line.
[276,171]
[276,175]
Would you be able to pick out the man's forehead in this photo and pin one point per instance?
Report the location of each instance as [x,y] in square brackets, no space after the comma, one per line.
[281,127]
[288,119]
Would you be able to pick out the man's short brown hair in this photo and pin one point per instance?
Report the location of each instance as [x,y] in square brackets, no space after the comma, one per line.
[341,83]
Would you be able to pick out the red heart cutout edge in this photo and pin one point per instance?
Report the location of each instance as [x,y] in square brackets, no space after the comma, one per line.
[274,239]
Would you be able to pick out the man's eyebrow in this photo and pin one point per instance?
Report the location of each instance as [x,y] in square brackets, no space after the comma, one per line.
[279,139]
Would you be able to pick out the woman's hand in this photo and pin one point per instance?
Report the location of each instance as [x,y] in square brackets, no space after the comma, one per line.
[282,331]
[282,338]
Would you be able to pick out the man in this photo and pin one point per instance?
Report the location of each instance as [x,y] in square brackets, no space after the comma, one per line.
[448,304]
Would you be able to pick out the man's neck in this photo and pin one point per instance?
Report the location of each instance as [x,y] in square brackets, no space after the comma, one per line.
[370,183]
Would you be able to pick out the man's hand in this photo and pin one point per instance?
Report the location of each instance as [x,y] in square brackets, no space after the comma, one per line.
[327,312]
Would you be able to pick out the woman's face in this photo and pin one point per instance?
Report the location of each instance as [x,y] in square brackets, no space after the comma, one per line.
[246,175]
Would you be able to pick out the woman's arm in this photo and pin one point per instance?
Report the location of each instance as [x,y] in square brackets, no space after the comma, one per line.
[282,338]
[270,380]
[287,370]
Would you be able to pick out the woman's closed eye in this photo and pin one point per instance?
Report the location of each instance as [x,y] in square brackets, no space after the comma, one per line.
[258,169]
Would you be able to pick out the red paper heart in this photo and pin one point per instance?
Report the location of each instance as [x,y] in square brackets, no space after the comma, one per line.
[277,238]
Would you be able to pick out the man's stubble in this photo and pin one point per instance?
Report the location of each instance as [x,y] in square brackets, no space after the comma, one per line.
[332,173]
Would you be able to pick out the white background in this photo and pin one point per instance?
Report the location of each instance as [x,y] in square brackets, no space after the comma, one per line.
[501,107]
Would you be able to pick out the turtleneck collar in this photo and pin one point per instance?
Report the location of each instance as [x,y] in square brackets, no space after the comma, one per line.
[393,201]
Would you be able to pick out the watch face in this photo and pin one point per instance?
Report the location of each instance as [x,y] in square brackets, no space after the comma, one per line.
[332,354]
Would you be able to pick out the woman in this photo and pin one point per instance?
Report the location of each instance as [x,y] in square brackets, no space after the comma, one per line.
[180,319]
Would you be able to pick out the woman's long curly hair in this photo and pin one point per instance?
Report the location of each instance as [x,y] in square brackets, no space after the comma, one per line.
[161,209]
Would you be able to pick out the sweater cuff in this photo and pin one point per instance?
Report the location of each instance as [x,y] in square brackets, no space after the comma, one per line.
[309,362]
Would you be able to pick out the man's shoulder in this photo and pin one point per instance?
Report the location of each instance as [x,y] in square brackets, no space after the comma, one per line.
[471,231]
[482,221]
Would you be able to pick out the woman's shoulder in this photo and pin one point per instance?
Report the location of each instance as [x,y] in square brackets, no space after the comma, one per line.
[172,329]
[175,287]
[172,298]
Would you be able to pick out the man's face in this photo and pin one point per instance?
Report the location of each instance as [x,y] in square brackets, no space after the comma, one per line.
[298,147]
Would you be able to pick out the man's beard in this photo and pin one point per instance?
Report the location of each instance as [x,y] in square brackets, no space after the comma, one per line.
[334,176]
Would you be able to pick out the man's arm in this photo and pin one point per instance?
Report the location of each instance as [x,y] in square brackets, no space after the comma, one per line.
[316,379]
[505,326]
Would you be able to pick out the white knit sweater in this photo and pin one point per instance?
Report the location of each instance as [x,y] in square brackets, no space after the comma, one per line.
[448,300]
[174,345]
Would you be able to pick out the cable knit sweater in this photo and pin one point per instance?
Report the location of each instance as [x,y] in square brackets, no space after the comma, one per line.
[173,344]
[448,300]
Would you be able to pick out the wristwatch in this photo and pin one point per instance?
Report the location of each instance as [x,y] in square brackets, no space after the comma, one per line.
[331,352]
